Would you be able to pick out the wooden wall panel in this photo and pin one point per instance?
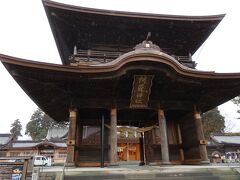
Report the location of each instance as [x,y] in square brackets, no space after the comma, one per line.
[153,145]
[89,148]
[148,142]
[172,132]
[189,138]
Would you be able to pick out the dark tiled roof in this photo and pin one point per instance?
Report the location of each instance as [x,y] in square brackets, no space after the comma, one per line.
[30,143]
[57,133]
[226,139]
[95,29]
[5,138]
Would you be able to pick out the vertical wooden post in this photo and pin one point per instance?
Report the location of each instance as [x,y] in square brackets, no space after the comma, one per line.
[200,135]
[180,142]
[127,150]
[141,147]
[71,142]
[163,136]
[102,141]
[113,157]
[79,130]
[25,167]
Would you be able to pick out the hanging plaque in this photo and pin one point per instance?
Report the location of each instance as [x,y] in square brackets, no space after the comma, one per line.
[140,91]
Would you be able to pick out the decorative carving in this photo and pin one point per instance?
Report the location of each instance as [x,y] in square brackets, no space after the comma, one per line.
[147,45]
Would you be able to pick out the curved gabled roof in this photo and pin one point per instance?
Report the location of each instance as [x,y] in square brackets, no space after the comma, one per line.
[89,28]
[133,56]
[54,88]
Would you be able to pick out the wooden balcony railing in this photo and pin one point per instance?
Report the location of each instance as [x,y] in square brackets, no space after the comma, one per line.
[97,57]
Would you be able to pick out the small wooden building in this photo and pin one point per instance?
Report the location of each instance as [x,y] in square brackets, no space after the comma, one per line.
[56,150]
[53,146]
[128,69]
[225,146]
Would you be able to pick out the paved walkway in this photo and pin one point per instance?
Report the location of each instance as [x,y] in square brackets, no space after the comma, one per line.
[141,169]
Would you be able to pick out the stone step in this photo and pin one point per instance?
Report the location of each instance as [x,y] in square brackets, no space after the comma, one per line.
[151,177]
[47,176]
[230,177]
[201,172]
[146,172]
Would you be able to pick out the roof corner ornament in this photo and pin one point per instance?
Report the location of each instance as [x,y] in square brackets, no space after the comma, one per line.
[147,44]
[75,50]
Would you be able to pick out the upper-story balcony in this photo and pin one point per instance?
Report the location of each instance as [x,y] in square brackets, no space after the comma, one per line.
[104,56]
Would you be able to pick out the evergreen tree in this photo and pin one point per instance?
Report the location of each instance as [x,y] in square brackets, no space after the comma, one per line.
[213,122]
[39,124]
[236,101]
[16,128]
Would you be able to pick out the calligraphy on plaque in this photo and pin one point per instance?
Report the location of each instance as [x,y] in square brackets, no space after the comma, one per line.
[140,91]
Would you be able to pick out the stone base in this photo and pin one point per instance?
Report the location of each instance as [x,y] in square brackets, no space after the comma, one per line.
[154,164]
[166,163]
[113,165]
[205,162]
[141,163]
[70,165]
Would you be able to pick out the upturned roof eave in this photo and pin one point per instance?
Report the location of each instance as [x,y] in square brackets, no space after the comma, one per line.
[48,3]
[32,77]
[119,63]
[64,47]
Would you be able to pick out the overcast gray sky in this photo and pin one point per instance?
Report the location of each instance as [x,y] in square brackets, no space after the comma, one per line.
[25,33]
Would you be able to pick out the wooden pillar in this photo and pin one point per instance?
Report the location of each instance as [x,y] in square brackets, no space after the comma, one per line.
[200,136]
[25,168]
[71,142]
[113,157]
[102,140]
[141,147]
[163,136]
[79,131]
[180,142]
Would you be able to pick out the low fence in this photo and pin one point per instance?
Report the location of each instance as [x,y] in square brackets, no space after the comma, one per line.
[15,168]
